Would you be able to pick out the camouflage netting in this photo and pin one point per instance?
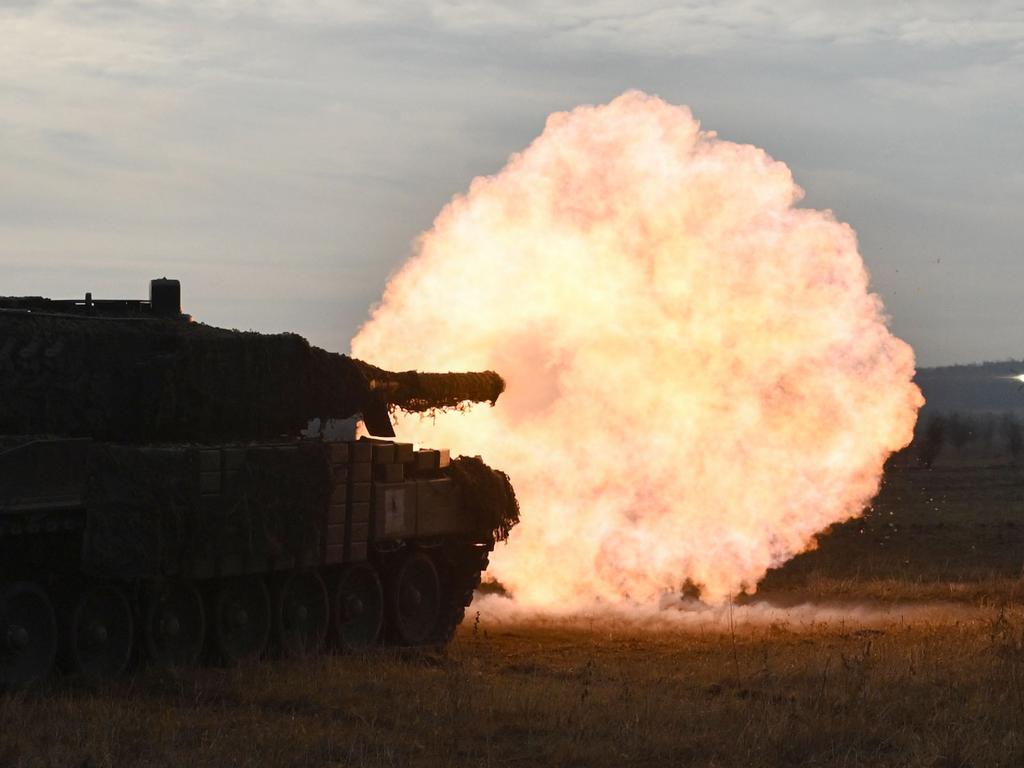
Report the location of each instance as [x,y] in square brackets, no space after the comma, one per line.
[415,391]
[487,493]
[142,504]
[151,380]
[146,517]
[280,497]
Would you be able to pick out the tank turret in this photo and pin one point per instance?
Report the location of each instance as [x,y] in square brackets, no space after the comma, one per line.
[140,371]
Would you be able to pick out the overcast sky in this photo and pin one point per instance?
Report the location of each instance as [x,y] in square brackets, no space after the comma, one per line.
[280,157]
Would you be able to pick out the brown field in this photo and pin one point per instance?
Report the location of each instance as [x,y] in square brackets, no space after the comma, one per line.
[898,642]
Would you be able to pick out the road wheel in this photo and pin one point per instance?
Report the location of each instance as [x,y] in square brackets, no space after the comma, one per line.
[175,624]
[99,634]
[302,613]
[358,608]
[415,600]
[241,619]
[28,635]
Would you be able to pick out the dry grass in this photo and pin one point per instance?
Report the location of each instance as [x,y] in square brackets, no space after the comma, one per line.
[940,694]
[938,687]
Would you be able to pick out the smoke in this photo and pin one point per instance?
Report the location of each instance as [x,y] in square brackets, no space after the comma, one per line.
[693,615]
[699,379]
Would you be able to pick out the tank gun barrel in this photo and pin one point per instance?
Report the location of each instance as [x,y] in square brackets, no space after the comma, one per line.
[416,391]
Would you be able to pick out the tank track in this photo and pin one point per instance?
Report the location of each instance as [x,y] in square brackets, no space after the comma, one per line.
[458,566]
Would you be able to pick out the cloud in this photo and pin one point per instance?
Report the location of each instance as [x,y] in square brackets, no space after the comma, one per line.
[330,133]
[667,28]
[70,31]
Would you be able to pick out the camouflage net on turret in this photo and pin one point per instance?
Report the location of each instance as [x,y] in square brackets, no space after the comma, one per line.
[149,380]
[487,493]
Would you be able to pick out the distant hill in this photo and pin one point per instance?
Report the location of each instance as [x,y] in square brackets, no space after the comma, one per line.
[977,388]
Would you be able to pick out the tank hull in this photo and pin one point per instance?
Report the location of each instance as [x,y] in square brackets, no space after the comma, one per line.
[246,520]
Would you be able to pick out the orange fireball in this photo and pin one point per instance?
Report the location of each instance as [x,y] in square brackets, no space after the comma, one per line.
[699,378]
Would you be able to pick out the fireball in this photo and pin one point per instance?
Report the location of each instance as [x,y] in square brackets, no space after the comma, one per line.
[699,377]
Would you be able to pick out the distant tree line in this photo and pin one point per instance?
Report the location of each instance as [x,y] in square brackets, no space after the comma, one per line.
[955,437]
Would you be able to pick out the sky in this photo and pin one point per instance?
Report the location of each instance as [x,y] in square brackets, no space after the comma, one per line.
[281,157]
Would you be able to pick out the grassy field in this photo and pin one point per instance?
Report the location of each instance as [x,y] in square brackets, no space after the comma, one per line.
[955,533]
[898,642]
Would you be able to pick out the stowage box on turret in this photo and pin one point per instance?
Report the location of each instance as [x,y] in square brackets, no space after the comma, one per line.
[163,496]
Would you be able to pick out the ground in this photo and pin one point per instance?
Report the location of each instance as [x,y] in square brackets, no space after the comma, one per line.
[899,641]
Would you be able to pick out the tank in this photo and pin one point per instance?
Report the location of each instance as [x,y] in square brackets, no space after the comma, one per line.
[172,492]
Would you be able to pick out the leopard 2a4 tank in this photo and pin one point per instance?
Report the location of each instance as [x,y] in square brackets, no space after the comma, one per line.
[164,499]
